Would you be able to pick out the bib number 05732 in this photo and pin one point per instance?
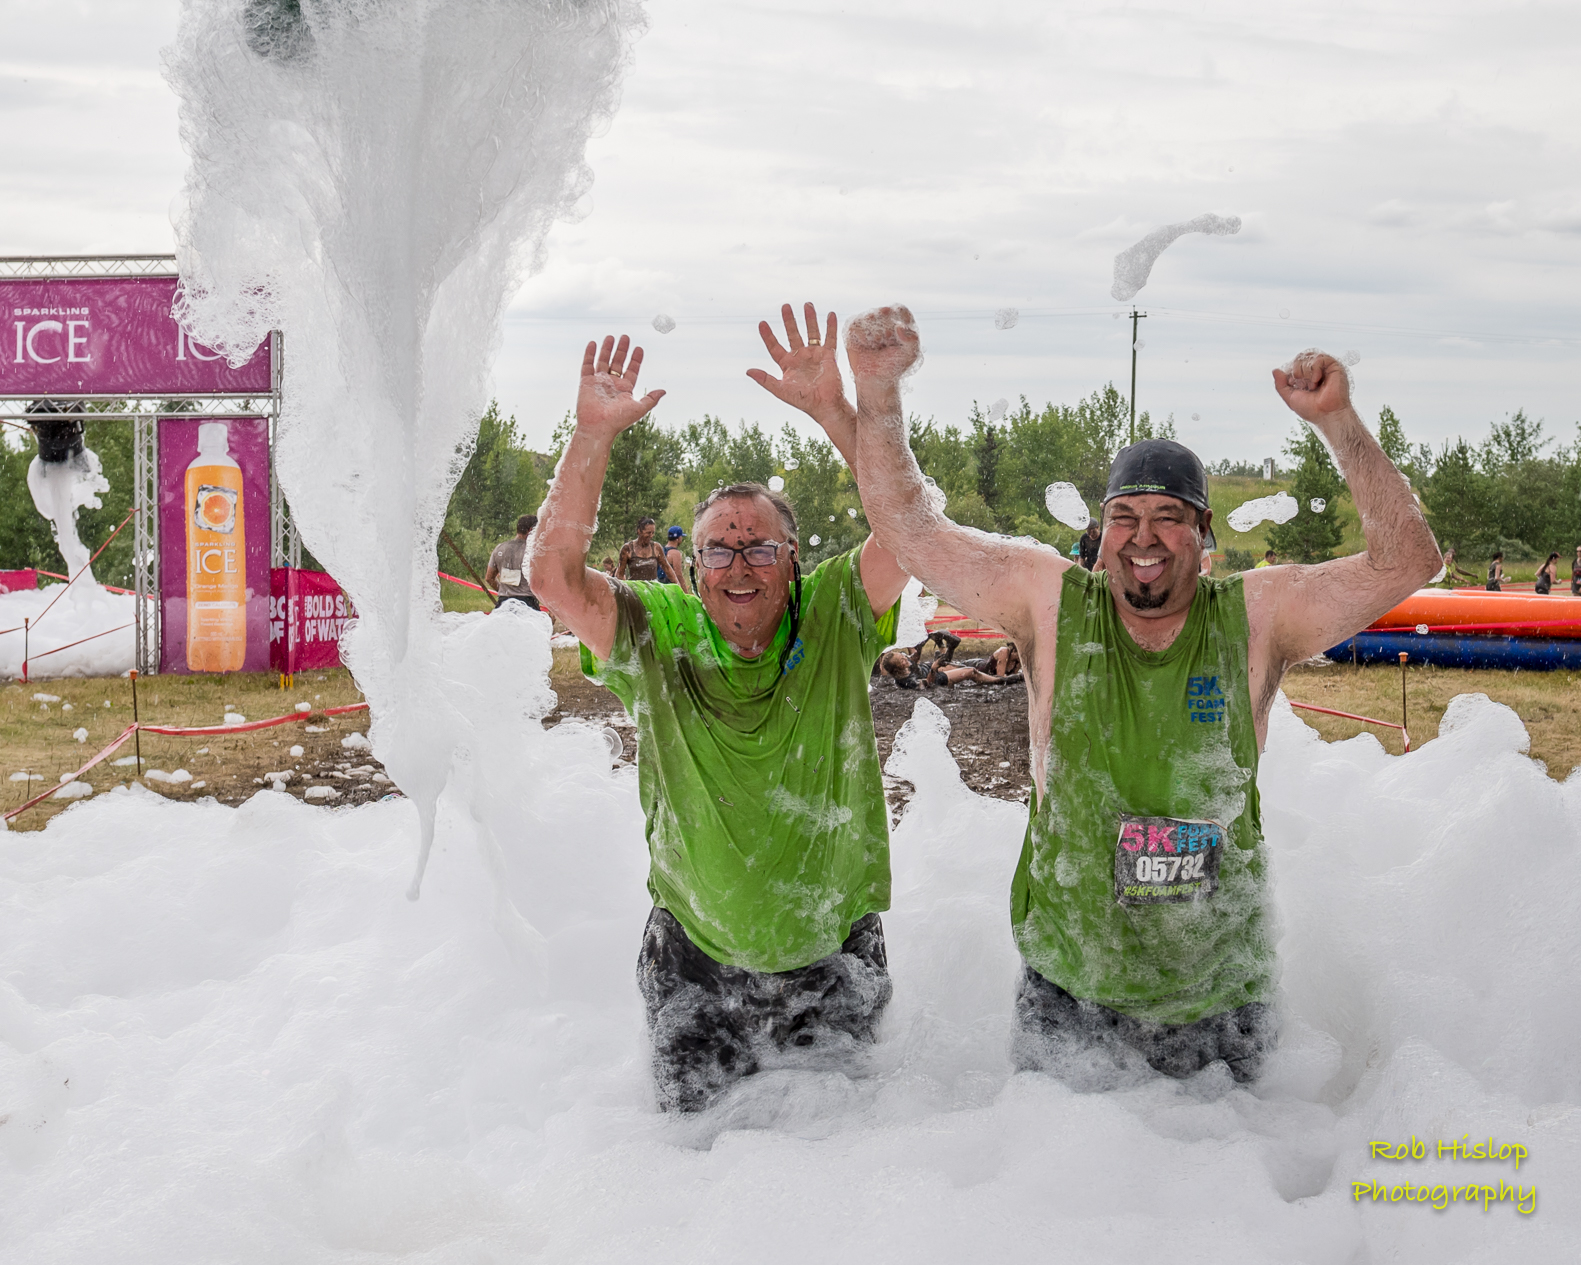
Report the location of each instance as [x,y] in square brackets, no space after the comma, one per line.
[1165,860]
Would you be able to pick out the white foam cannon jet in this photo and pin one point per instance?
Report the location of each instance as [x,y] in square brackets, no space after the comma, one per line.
[65,475]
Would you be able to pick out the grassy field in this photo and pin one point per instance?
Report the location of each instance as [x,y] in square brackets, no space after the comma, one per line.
[37,736]
[1548,703]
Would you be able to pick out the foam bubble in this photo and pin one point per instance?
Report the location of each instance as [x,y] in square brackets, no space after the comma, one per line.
[1318,504]
[1065,503]
[997,409]
[1006,318]
[1134,264]
[776,484]
[1281,507]
[664,324]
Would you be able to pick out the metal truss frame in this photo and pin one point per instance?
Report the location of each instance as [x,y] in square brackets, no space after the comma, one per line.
[143,412]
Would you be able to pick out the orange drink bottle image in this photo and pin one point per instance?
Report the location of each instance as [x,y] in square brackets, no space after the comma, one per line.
[216,556]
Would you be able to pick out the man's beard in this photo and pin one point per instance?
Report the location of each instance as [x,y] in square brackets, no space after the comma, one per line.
[1145,600]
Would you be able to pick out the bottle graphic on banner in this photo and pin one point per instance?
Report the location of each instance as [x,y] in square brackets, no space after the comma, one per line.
[216,556]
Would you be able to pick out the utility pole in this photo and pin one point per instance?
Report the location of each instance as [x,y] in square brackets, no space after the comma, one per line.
[1135,317]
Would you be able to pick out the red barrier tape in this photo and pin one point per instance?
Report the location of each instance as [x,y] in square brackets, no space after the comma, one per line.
[1366,720]
[125,734]
[248,726]
[55,575]
[91,561]
[464,583]
[44,653]
[199,732]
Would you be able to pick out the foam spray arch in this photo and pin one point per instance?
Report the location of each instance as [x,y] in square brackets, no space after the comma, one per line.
[376,178]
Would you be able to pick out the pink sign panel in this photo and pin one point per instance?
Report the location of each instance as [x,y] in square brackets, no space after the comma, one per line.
[110,336]
[214,533]
[307,614]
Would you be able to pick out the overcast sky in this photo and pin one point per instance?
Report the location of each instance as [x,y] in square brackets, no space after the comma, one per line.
[1408,176]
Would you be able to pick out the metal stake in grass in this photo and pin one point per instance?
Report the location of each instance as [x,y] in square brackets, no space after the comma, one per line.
[137,730]
[1403,730]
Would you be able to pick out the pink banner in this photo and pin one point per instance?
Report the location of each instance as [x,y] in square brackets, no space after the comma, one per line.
[214,533]
[307,614]
[16,581]
[110,336]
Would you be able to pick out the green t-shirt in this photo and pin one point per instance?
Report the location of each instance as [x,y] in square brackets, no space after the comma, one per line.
[768,834]
[1148,735]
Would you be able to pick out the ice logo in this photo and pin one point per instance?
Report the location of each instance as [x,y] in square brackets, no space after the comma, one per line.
[1279,508]
[1134,265]
[1065,503]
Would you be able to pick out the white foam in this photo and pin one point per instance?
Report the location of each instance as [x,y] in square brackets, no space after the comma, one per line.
[59,490]
[1006,318]
[1281,507]
[377,181]
[1065,502]
[1134,264]
[85,611]
[224,1034]
[664,324]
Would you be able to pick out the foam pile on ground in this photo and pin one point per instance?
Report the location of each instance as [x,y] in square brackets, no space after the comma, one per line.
[85,611]
[225,1035]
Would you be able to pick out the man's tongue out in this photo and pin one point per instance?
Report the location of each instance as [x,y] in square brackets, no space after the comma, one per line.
[1149,567]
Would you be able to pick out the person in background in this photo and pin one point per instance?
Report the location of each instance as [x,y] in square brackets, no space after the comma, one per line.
[1496,573]
[675,560]
[607,566]
[1575,574]
[1547,574]
[642,558]
[506,573]
[1270,559]
[1089,542]
[1453,574]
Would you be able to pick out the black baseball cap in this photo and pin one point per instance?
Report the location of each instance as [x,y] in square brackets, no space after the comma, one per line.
[1159,466]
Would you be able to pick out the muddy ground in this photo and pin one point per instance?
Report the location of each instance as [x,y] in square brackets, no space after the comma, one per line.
[988,728]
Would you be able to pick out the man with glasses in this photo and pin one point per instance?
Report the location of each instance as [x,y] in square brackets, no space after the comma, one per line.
[768,834]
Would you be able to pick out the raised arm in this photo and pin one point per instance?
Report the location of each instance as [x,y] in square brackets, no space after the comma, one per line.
[1004,582]
[1297,612]
[557,568]
[811,383]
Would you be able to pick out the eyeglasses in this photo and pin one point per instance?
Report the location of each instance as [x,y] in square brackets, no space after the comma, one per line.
[718,557]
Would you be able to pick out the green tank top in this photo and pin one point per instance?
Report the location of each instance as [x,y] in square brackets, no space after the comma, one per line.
[1141,882]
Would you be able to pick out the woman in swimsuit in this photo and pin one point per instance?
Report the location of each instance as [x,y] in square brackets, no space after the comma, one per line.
[1496,573]
[1547,574]
[642,558]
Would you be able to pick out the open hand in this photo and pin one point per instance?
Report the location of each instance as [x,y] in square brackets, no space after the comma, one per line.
[882,345]
[606,403]
[1314,386]
[810,372]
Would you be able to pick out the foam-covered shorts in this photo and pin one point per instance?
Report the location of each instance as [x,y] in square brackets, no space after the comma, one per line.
[713,1024]
[1093,1046]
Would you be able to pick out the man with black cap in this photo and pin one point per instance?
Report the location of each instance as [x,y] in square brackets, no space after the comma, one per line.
[1140,900]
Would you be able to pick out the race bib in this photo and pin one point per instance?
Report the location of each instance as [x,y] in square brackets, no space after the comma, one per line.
[1165,861]
[510,577]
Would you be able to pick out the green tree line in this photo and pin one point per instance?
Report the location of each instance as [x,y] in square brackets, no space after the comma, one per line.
[1517,491]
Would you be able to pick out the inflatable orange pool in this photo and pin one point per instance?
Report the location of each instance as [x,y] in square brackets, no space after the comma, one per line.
[1475,611]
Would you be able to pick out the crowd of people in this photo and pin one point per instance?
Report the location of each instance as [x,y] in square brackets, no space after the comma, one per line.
[1140,904]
